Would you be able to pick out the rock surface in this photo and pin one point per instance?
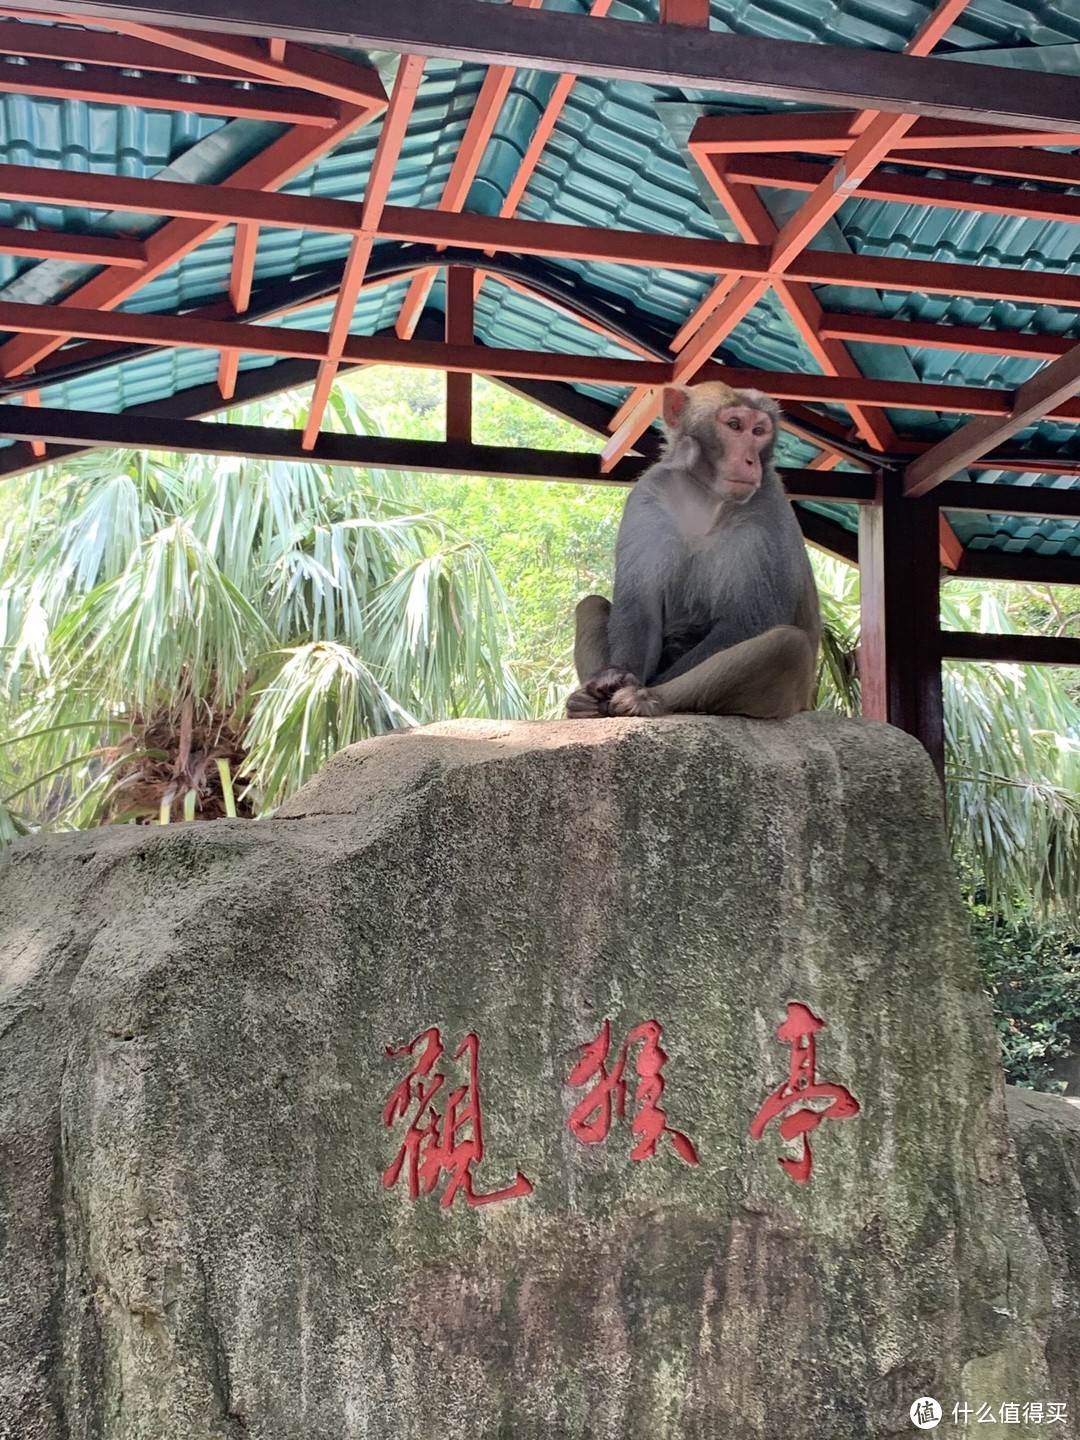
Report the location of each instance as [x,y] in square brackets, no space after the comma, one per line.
[1047,1131]
[198,1238]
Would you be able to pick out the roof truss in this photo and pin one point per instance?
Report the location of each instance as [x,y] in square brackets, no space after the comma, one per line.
[907,112]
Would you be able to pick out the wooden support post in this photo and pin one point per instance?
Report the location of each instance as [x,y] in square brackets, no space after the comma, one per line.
[459,331]
[900,651]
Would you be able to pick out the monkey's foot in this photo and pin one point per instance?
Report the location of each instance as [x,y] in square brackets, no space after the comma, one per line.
[636,700]
[593,700]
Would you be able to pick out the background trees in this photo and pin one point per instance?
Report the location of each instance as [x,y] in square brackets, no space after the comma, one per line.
[187,637]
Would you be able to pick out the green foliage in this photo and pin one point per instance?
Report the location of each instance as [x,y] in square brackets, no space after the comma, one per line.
[161,614]
[1032,975]
[549,544]
[1012,735]
[297,608]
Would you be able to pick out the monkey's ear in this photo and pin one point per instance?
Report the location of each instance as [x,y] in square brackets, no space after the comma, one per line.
[675,398]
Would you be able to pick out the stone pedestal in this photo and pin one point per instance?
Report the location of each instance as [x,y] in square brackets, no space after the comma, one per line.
[617,1079]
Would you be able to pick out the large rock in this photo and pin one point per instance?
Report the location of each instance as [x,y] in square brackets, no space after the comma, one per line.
[200,1240]
[1047,1131]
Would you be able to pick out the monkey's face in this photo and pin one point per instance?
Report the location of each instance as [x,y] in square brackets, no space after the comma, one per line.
[733,432]
[746,435]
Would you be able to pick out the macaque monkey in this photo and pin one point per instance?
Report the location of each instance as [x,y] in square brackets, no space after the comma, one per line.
[715,607]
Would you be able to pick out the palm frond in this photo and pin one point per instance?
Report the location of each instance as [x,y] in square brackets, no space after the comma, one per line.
[170,623]
[313,700]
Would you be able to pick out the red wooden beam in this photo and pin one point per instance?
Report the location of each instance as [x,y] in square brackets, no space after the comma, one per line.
[288,155]
[762,68]
[243,272]
[344,308]
[1042,395]
[459,331]
[878,134]
[838,184]
[1005,162]
[96,47]
[938,194]
[916,334]
[391,137]
[822,132]
[145,428]
[544,126]
[153,92]
[66,245]
[485,116]
[873,137]
[314,70]
[230,203]
[694,13]
[756,226]
[900,646]
[938,277]
[185,330]
[234,200]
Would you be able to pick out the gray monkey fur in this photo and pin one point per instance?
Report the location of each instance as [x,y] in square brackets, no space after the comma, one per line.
[715,607]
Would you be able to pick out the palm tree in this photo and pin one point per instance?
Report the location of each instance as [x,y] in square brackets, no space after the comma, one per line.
[1012,752]
[174,625]
[186,637]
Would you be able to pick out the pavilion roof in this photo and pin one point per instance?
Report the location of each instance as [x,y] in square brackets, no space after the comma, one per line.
[306,217]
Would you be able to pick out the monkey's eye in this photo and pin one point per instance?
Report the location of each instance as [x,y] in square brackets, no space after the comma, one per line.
[761,432]
[734,423]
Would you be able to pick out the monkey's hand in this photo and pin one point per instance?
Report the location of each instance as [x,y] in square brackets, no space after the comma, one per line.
[593,700]
[636,699]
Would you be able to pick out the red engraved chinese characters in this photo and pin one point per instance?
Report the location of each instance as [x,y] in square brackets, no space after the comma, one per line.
[441,1144]
[801,1087]
[590,1119]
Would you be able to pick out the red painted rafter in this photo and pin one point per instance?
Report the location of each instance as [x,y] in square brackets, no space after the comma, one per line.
[395,123]
[909,190]
[234,201]
[183,331]
[459,331]
[1015,163]
[154,92]
[485,116]
[308,69]
[840,182]
[822,132]
[872,330]
[545,126]
[33,399]
[288,155]
[240,280]
[873,136]
[694,13]
[66,245]
[96,47]
[804,310]
[1044,394]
